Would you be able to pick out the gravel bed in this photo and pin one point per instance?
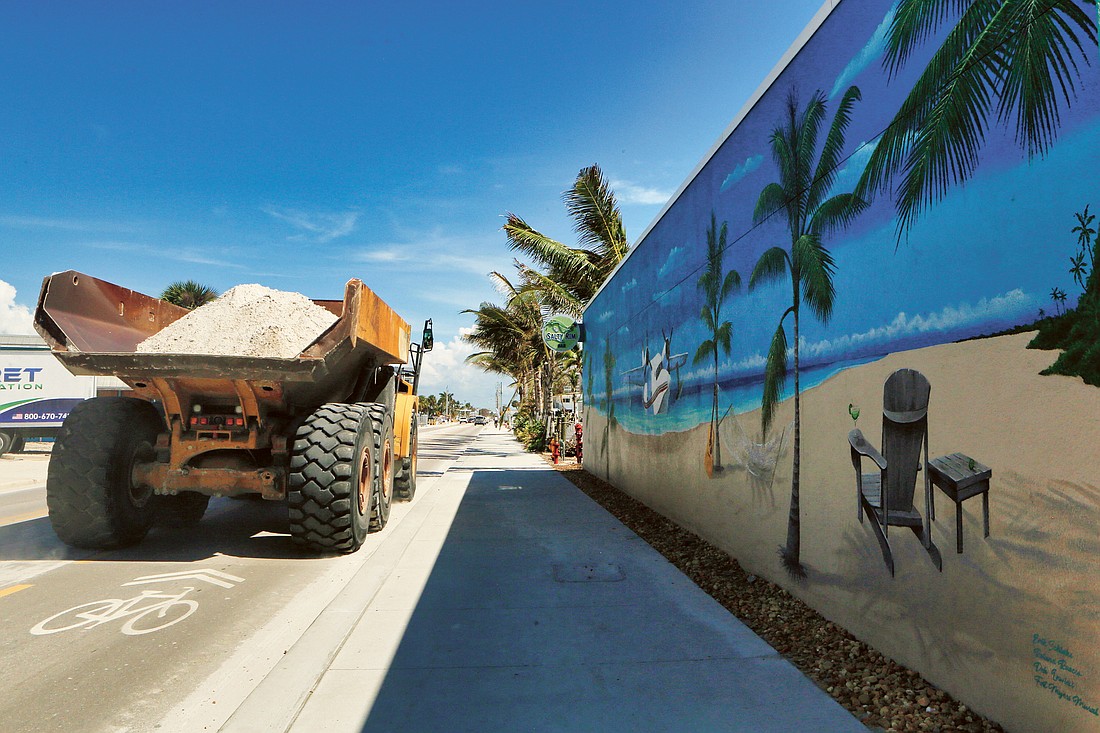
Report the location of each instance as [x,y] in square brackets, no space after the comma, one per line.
[884,695]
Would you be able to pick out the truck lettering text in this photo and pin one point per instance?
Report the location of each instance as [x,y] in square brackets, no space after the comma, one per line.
[20,374]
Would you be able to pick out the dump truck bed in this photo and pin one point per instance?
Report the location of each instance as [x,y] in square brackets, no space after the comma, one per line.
[94,327]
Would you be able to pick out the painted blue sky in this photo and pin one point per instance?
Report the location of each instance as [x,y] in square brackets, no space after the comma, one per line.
[300,144]
[985,259]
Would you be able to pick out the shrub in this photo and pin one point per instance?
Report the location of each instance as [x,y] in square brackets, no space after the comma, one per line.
[530,431]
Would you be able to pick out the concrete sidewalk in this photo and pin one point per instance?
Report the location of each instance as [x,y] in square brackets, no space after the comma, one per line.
[507,600]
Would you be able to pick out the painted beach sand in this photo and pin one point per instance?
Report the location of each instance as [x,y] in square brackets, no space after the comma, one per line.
[998,615]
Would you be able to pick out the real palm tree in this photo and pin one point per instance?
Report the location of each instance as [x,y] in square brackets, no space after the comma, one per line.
[510,340]
[570,276]
[1012,62]
[716,287]
[802,197]
[188,294]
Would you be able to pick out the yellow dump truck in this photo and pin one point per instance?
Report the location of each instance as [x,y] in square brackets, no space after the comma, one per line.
[331,431]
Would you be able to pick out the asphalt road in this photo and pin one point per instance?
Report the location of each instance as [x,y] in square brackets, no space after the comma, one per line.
[121,640]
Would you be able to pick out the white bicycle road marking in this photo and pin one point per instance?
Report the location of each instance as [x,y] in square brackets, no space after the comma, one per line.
[169,609]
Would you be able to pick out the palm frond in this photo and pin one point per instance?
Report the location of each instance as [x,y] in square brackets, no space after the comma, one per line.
[1017,57]
[705,351]
[828,164]
[836,213]
[722,336]
[772,199]
[731,284]
[595,212]
[775,375]
[1038,53]
[815,265]
[536,245]
[772,265]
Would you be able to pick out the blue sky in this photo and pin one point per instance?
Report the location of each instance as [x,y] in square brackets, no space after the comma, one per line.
[298,145]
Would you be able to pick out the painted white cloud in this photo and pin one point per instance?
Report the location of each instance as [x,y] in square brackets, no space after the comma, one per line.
[606,316]
[751,163]
[14,318]
[867,55]
[1015,303]
[1010,304]
[671,261]
[848,176]
[320,226]
[630,193]
[630,285]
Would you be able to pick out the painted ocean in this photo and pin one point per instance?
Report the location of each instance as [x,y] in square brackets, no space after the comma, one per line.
[691,405]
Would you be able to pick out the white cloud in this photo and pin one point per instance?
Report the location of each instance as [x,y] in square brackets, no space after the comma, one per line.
[751,163]
[191,255]
[630,193]
[320,226]
[68,225]
[606,316]
[445,369]
[867,55]
[630,285]
[14,318]
[670,262]
[382,255]
[435,250]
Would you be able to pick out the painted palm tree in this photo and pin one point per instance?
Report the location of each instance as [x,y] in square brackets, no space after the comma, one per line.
[716,287]
[1078,269]
[803,197]
[609,402]
[1056,298]
[188,294]
[567,277]
[1012,62]
[1084,230]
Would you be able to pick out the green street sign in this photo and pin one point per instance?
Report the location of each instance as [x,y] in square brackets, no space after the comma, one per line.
[561,333]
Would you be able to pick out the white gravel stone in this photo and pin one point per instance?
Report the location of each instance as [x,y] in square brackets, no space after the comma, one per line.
[247,320]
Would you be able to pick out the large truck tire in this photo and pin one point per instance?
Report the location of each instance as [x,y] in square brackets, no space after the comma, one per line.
[382,428]
[7,442]
[404,480]
[184,509]
[335,476]
[91,498]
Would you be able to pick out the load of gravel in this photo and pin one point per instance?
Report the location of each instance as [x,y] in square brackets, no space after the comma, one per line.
[247,320]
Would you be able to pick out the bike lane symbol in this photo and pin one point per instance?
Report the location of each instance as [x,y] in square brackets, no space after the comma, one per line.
[145,613]
[149,611]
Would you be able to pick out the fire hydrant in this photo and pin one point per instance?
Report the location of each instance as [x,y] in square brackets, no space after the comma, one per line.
[555,449]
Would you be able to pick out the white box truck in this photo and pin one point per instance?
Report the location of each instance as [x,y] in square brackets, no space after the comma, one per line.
[37,392]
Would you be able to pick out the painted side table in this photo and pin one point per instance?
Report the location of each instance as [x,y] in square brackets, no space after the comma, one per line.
[960,477]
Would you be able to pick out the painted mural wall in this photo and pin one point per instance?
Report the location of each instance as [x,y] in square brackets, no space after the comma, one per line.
[860,350]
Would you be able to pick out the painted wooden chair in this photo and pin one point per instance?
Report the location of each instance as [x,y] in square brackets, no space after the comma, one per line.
[886,497]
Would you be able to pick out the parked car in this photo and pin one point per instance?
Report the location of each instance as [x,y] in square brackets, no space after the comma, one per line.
[480,420]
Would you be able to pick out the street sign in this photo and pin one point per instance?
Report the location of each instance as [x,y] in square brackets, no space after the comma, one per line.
[561,333]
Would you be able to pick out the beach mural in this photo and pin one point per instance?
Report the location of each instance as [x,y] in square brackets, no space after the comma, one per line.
[860,349]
